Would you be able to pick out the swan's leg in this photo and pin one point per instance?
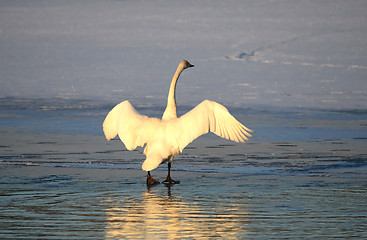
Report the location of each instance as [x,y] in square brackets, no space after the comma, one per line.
[168,178]
[150,180]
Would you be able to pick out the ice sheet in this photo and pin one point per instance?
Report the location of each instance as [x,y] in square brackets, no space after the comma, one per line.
[246,53]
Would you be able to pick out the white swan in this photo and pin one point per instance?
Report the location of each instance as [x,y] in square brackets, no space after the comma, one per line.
[167,137]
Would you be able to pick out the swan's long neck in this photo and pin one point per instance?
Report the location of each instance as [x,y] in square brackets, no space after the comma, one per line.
[170,111]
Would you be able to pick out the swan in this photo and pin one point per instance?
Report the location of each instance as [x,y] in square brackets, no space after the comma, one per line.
[167,137]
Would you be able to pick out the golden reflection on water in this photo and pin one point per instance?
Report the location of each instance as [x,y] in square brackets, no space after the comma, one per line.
[156,216]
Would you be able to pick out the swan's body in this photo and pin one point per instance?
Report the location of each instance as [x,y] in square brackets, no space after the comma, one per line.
[167,137]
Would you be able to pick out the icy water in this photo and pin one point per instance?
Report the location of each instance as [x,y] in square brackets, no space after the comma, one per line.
[302,175]
[293,71]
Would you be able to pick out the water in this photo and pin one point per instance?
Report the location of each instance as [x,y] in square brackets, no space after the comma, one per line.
[302,175]
[293,71]
[64,205]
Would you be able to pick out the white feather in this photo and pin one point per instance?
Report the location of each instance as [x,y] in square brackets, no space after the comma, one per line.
[213,117]
[166,138]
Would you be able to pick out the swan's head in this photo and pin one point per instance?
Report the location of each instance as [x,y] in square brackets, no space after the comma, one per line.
[185,64]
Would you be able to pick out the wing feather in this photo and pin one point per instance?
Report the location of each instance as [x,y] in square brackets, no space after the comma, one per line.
[209,116]
[242,135]
[130,125]
[235,134]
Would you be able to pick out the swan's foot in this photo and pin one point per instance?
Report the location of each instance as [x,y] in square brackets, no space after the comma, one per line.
[169,180]
[151,181]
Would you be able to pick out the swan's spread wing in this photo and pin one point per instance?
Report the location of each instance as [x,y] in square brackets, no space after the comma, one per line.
[125,121]
[213,117]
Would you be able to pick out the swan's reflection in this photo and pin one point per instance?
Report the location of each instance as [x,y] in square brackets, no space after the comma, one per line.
[160,216]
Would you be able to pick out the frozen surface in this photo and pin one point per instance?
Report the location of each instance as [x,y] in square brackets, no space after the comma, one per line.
[293,71]
[307,54]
